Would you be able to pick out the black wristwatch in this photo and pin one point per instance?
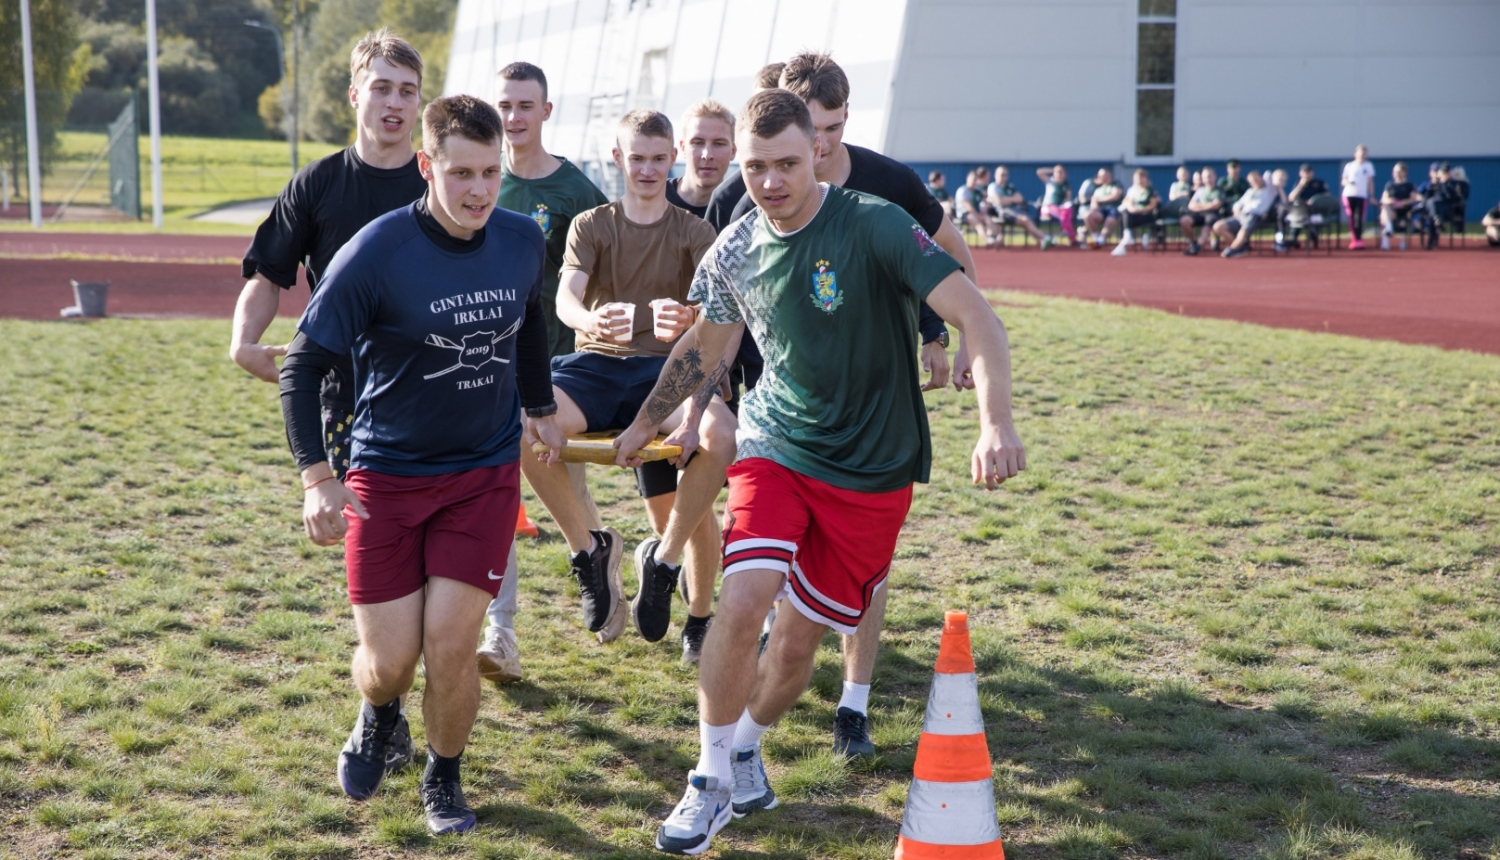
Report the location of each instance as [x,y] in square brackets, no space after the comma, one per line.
[942,339]
[542,411]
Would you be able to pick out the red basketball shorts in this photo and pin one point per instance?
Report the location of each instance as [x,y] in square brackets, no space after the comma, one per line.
[833,545]
[455,526]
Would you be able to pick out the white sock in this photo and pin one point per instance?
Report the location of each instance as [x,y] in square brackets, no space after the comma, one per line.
[659,558]
[856,697]
[747,732]
[1127,237]
[713,754]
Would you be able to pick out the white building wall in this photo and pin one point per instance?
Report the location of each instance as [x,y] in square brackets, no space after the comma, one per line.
[1025,80]
[1311,78]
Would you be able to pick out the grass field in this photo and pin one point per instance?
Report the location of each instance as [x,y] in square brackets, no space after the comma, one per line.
[1242,604]
[198,173]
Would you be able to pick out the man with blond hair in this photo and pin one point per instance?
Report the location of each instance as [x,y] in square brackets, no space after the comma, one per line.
[321,209]
[707,144]
[729,193]
[625,280]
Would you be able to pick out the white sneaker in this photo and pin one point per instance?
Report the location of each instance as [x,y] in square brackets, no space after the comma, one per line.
[1120,250]
[752,791]
[500,656]
[1385,243]
[702,812]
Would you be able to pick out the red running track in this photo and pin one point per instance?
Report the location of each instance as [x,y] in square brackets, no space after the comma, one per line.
[1447,298]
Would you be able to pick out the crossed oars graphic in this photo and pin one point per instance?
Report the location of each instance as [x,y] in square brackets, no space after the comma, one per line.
[439,340]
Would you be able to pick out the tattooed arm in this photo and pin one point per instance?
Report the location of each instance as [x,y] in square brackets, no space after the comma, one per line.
[698,362]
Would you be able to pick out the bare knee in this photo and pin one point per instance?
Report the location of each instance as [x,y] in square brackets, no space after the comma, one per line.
[389,673]
[444,651]
[740,607]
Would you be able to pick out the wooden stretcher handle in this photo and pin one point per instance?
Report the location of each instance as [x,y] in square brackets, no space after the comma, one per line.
[599,448]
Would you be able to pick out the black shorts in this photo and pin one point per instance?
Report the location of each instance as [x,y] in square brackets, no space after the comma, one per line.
[608,390]
[338,424]
[1202,218]
[1136,220]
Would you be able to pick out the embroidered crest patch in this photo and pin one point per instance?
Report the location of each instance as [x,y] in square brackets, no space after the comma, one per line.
[825,292]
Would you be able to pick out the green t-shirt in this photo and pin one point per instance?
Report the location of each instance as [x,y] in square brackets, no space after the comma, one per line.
[833,308]
[1056,194]
[1140,196]
[552,202]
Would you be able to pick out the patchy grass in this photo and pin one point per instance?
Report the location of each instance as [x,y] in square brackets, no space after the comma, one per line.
[1242,604]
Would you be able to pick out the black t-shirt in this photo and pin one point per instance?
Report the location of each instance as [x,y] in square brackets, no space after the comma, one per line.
[320,210]
[1313,188]
[723,202]
[675,199]
[1399,191]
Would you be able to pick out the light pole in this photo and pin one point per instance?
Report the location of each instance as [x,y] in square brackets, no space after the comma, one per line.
[33,153]
[291,125]
[154,85]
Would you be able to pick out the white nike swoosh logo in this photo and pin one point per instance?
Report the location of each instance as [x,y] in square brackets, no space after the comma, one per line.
[493,576]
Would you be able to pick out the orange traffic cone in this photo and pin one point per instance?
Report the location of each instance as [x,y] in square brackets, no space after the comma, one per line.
[950,808]
[524,525]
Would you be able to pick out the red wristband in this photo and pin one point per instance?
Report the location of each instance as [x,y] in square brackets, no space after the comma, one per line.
[317,482]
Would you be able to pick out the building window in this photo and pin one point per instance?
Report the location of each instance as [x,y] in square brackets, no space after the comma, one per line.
[652,89]
[1155,76]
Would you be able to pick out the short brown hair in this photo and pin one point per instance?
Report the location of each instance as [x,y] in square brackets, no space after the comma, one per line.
[708,109]
[465,116]
[647,123]
[816,78]
[382,44]
[524,71]
[769,76]
[770,112]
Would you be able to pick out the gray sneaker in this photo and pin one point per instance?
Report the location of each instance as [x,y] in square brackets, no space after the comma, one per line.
[752,791]
[702,812]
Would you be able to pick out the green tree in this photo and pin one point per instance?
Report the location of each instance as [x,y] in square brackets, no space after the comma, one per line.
[60,64]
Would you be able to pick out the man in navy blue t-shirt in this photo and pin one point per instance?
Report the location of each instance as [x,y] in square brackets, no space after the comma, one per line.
[440,304]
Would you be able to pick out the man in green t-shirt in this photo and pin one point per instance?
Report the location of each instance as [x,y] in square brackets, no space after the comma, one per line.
[553,192]
[831,440]
[534,182]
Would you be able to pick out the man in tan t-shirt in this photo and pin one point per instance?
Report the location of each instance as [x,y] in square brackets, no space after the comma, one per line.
[634,252]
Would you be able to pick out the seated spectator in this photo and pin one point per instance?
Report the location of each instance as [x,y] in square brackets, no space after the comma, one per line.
[1138,209]
[1247,214]
[969,209]
[1010,206]
[1397,202]
[1104,208]
[1492,226]
[1182,187]
[1460,179]
[1232,185]
[1308,186]
[1442,201]
[937,186]
[1057,198]
[1276,181]
[1202,211]
[1083,205]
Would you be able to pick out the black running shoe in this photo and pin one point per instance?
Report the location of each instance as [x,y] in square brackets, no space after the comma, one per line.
[447,811]
[362,761]
[400,751]
[851,734]
[651,610]
[1191,250]
[692,639]
[598,574]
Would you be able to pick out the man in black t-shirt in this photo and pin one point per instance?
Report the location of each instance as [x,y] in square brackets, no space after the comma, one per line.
[818,81]
[1396,204]
[320,210]
[708,146]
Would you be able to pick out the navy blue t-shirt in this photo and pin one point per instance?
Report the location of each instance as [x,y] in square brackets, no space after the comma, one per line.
[434,339]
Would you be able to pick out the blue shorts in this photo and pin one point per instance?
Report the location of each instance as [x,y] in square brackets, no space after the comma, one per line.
[608,390]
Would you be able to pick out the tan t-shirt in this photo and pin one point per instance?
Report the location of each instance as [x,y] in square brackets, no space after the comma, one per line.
[630,262]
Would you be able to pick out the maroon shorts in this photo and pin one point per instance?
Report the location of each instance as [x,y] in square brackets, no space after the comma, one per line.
[833,545]
[456,526]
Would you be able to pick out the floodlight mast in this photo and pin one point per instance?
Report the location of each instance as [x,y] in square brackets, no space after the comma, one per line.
[155,92]
[33,151]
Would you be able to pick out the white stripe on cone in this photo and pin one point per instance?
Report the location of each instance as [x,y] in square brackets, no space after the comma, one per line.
[953,706]
[951,813]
